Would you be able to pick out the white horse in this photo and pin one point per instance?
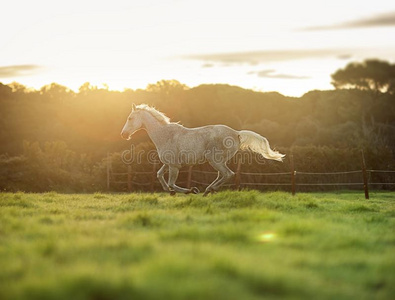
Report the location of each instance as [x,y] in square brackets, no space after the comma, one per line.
[178,146]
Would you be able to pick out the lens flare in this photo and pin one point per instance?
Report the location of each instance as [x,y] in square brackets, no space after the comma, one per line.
[266,237]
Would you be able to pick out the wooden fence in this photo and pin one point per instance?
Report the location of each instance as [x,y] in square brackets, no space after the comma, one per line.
[291,180]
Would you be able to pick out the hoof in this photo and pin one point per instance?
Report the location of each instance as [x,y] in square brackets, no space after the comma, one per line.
[172,193]
[208,192]
[194,190]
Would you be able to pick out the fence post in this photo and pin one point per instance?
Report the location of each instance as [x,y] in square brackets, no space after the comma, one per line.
[189,179]
[293,175]
[129,178]
[153,178]
[108,171]
[238,175]
[365,176]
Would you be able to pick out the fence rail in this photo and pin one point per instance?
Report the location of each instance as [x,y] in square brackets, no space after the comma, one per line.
[294,178]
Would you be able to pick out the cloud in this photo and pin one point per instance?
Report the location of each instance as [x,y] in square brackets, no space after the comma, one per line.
[266,56]
[269,74]
[344,56]
[18,70]
[381,20]
[207,65]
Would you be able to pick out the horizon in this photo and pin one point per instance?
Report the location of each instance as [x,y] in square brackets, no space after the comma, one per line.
[106,87]
[290,48]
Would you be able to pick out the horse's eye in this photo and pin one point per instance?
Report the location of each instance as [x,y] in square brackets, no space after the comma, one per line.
[129,118]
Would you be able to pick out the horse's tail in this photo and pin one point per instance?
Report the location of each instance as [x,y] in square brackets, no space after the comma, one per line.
[257,143]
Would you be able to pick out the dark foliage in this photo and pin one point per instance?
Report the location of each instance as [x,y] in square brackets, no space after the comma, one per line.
[56,139]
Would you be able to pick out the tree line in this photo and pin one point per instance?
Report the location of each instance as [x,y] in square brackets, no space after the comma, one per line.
[71,132]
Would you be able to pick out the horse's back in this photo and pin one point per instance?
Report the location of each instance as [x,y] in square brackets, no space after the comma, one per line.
[196,145]
[212,138]
[213,133]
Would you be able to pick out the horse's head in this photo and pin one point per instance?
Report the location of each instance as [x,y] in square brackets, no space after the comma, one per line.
[133,123]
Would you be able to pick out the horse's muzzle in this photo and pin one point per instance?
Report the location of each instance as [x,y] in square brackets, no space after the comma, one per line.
[125,135]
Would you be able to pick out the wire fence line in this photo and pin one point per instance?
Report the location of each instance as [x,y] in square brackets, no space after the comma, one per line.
[144,178]
[265,174]
[245,183]
[328,173]
[294,180]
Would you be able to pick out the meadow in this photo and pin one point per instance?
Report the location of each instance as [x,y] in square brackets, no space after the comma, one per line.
[230,245]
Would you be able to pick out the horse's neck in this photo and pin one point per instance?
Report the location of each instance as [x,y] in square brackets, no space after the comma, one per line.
[154,129]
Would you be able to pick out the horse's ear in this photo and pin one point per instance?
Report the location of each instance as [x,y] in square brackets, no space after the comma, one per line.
[133,106]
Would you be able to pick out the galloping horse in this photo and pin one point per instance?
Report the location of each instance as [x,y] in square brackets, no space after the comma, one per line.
[178,146]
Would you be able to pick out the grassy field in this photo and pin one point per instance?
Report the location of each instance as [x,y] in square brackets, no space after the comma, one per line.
[231,245]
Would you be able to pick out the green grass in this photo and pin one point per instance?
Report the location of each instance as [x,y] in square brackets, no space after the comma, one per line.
[231,245]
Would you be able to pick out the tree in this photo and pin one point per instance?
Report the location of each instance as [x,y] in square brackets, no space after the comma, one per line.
[167,87]
[86,88]
[372,74]
[18,88]
[5,91]
[56,92]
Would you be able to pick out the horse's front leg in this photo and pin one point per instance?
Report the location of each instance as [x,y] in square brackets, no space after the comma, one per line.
[173,174]
[161,177]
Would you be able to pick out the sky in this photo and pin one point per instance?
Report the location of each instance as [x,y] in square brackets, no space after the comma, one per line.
[287,46]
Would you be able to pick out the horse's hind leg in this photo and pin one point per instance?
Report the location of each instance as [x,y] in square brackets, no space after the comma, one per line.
[161,177]
[226,173]
[173,174]
[209,188]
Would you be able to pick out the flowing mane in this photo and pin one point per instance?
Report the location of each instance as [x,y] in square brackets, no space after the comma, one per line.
[161,117]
